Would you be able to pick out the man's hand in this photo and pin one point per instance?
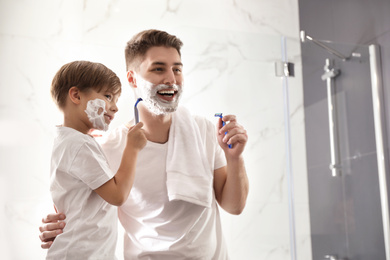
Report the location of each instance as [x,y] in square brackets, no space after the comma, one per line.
[236,136]
[51,227]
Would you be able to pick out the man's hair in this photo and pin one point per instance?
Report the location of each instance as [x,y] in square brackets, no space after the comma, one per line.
[84,75]
[137,47]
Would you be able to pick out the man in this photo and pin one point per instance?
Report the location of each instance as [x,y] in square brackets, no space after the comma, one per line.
[182,172]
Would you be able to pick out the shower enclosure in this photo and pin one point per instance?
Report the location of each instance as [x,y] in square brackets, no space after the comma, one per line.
[347,160]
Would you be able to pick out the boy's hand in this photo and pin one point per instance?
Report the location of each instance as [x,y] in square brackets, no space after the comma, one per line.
[236,136]
[51,227]
[136,136]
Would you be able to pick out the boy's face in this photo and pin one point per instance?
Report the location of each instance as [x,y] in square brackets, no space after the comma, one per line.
[100,107]
[159,79]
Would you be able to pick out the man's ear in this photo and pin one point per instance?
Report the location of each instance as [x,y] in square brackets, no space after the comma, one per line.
[131,78]
[74,95]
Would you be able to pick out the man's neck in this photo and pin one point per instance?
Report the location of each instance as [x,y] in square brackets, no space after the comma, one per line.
[156,127]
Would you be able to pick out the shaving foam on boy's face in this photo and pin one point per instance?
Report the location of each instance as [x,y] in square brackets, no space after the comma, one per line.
[95,111]
[152,96]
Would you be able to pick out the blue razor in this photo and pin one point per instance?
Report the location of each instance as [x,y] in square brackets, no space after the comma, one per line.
[223,123]
[136,117]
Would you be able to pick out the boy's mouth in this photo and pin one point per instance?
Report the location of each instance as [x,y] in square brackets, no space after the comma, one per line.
[108,118]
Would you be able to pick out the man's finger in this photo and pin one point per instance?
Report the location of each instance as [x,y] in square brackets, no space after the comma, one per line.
[52,226]
[46,245]
[49,235]
[230,118]
[53,217]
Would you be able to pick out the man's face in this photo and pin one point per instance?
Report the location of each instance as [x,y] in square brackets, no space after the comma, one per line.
[159,80]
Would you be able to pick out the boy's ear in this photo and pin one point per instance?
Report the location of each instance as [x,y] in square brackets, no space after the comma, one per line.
[74,95]
[131,78]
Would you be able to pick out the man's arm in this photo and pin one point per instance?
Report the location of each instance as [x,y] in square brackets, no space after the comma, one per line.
[52,226]
[231,182]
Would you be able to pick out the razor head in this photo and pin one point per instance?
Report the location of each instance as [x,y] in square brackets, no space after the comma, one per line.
[138,100]
[136,117]
[223,123]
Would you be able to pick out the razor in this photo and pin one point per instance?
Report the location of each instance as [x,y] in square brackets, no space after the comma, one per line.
[223,123]
[136,116]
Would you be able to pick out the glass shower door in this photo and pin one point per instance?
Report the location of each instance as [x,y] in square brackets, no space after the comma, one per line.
[344,173]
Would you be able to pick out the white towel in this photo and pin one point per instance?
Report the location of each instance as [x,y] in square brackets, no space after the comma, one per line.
[189,177]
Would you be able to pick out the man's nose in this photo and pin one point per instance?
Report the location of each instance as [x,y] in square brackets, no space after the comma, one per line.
[170,78]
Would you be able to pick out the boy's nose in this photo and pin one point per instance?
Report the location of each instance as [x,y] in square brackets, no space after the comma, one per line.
[114,108]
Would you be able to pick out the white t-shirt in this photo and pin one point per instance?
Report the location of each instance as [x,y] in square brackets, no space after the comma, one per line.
[157,228]
[78,167]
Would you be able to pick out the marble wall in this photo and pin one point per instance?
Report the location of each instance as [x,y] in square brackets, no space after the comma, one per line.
[229,52]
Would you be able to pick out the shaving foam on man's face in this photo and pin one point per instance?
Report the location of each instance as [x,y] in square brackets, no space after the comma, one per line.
[160,99]
[95,111]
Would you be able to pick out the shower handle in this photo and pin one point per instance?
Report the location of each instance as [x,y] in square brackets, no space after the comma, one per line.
[328,76]
[334,257]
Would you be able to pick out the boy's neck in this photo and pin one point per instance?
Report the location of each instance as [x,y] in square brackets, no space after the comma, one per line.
[75,123]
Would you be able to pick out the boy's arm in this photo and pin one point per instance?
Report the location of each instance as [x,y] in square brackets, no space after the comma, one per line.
[116,190]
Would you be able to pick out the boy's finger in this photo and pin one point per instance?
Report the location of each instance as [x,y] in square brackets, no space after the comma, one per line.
[137,126]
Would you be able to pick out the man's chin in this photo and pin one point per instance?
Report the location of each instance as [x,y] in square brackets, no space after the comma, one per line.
[159,111]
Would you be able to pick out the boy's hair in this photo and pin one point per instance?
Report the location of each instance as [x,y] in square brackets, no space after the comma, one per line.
[84,75]
[143,41]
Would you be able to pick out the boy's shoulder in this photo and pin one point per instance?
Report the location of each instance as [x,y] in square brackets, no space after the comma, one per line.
[70,138]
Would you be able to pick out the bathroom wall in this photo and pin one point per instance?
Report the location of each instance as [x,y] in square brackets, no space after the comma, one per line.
[229,52]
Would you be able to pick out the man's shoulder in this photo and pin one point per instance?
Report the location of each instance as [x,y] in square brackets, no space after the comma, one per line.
[202,121]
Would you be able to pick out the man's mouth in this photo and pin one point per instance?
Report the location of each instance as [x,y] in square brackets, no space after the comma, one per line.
[167,94]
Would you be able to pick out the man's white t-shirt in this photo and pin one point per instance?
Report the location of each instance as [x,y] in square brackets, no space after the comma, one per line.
[157,228]
[78,167]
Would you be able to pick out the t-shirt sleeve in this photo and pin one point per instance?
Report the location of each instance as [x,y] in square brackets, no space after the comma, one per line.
[220,159]
[90,166]
[214,152]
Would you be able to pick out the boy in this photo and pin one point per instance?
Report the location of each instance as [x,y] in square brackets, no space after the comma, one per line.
[82,184]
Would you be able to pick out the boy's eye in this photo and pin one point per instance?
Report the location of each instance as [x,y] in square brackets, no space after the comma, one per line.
[109,97]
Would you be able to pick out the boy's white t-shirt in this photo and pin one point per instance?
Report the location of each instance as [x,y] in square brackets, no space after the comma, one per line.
[157,228]
[78,167]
